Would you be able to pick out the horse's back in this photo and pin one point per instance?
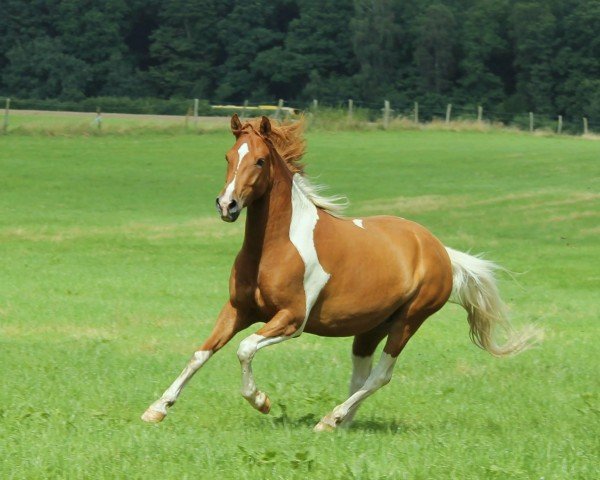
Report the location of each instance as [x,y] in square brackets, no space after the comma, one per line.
[410,239]
[376,264]
[384,241]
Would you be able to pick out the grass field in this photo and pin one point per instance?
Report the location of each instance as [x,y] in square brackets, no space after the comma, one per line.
[36,122]
[114,266]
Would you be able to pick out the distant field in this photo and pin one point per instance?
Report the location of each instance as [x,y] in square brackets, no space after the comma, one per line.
[38,121]
[114,266]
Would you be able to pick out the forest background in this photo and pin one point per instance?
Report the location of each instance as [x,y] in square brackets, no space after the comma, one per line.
[508,55]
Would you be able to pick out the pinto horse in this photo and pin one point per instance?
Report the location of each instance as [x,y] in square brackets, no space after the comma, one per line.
[304,268]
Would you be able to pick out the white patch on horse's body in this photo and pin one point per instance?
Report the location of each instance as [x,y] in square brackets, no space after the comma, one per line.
[302,227]
[358,222]
[227,196]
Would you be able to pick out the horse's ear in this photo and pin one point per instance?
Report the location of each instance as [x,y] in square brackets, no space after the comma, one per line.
[265,126]
[236,125]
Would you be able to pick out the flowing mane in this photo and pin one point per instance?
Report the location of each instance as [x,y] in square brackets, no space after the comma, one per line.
[288,140]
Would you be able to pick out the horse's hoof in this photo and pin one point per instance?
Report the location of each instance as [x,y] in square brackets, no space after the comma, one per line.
[324,427]
[152,416]
[266,407]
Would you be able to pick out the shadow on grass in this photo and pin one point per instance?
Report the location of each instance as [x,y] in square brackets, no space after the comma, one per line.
[287,421]
[373,425]
[358,425]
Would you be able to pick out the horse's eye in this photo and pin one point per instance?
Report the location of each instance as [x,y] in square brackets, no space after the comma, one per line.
[260,162]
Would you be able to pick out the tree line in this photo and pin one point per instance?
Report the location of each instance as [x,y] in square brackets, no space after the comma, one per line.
[510,55]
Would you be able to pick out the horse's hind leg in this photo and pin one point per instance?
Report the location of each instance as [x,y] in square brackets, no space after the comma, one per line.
[403,325]
[228,324]
[363,347]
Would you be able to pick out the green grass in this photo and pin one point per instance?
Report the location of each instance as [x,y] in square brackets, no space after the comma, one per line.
[114,266]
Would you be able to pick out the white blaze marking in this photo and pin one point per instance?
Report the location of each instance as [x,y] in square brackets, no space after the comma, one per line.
[302,226]
[242,151]
[227,196]
[358,222]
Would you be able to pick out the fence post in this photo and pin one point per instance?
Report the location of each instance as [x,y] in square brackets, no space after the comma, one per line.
[531,122]
[279,109]
[479,113]
[315,104]
[350,108]
[386,114]
[585,125]
[195,112]
[559,128]
[98,119]
[244,109]
[6,113]
[448,112]
[416,112]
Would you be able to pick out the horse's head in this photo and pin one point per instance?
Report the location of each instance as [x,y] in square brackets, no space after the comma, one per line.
[248,165]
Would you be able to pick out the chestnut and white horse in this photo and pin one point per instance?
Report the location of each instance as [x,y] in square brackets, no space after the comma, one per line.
[303,268]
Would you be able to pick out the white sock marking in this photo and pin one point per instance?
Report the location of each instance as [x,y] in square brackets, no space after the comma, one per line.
[382,373]
[379,376]
[358,222]
[246,351]
[361,368]
[302,226]
[172,393]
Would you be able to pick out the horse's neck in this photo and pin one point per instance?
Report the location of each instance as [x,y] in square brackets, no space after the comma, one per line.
[268,219]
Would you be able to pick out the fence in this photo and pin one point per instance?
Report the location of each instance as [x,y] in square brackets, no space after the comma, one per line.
[385,113]
[354,112]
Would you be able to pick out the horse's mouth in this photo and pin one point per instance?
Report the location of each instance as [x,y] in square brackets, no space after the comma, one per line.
[230,217]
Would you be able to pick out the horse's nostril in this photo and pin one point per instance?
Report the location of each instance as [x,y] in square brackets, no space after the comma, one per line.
[232,207]
[218,205]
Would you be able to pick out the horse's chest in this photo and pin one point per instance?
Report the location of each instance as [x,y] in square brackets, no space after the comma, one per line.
[292,276]
[276,285]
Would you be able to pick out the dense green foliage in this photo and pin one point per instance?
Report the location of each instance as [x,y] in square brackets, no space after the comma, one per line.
[114,266]
[508,55]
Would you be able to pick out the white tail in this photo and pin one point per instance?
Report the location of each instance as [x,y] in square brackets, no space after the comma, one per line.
[474,288]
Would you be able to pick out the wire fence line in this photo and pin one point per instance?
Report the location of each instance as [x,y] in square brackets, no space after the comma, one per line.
[356,111]
[418,112]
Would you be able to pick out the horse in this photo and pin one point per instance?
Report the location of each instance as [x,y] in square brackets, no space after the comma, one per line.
[306,268]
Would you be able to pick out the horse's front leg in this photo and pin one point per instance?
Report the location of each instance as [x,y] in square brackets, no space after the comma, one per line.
[283,326]
[229,322]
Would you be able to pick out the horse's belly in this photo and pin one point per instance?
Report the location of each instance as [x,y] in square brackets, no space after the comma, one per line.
[354,311]
[345,325]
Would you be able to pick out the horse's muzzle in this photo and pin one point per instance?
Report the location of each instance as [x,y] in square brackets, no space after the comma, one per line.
[230,212]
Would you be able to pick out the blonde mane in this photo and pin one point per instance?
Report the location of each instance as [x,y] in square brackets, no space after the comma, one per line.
[288,140]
